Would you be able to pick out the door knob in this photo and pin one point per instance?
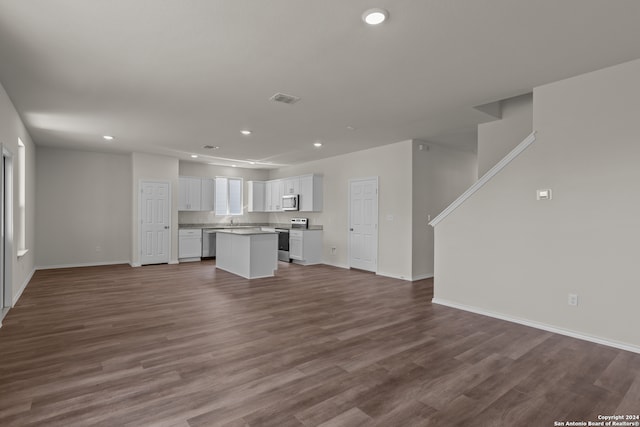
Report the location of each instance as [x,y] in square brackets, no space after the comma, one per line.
[166,227]
[351,229]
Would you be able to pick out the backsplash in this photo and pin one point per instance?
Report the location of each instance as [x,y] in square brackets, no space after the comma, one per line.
[185,217]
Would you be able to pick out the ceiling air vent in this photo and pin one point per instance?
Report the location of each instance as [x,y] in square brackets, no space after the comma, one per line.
[210,147]
[284,98]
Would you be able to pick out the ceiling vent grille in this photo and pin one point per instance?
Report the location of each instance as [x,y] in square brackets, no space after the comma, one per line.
[210,147]
[284,98]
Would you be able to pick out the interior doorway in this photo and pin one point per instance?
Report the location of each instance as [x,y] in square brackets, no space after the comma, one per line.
[363,224]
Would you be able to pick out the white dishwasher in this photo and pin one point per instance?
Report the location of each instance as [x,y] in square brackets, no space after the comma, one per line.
[189,244]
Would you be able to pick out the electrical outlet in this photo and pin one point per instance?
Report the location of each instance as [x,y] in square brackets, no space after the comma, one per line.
[98,248]
[333,250]
[573,299]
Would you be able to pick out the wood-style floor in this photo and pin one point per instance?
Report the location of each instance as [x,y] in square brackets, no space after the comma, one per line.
[186,345]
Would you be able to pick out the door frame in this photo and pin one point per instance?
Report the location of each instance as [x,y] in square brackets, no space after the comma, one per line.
[141,182]
[351,180]
[7,230]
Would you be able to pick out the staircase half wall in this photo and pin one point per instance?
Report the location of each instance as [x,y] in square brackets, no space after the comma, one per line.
[506,254]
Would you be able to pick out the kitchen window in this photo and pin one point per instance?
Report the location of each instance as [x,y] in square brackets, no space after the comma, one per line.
[228,196]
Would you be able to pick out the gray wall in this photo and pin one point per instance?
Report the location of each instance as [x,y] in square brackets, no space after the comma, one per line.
[505,253]
[84,208]
[12,128]
[151,167]
[392,164]
[440,175]
[496,139]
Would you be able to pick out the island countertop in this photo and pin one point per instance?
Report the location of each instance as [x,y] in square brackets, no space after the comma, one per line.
[245,231]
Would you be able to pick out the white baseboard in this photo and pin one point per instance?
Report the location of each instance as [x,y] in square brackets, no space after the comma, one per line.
[393,276]
[346,267]
[539,325]
[18,294]
[422,276]
[88,264]
[175,261]
[135,264]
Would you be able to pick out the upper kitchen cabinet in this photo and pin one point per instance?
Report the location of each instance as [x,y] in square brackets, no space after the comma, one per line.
[189,193]
[266,196]
[310,193]
[195,194]
[207,201]
[277,191]
[292,185]
[256,196]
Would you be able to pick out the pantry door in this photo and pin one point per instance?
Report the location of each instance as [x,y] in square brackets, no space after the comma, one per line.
[363,223]
[155,222]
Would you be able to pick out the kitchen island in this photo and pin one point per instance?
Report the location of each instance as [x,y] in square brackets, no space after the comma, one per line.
[250,253]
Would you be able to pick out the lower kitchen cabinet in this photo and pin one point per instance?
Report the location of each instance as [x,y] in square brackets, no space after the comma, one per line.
[305,246]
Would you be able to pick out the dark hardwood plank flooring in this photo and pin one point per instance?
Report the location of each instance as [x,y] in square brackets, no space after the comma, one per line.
[188,345]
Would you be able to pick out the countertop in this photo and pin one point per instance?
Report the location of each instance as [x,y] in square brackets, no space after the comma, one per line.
[245,231]
[244,225]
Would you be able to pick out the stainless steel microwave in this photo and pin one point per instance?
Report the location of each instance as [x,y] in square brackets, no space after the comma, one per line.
[290,202]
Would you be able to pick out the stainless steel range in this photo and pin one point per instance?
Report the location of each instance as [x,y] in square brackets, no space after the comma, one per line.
[283,237]
[299,222]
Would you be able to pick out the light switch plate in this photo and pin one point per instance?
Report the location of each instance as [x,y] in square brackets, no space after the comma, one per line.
[543,194]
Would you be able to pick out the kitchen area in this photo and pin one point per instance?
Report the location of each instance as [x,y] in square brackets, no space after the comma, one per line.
[227,218]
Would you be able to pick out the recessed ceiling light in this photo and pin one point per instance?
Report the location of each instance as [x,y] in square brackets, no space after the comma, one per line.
[252,163]
[108,137]
[375,16]
[351,128]
[194,156]
[234,166]
[317,144]
[245,132]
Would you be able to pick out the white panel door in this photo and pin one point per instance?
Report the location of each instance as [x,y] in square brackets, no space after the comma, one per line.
[363,224]
[155,222]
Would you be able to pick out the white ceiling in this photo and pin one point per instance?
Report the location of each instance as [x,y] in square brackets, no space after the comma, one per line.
[169,76]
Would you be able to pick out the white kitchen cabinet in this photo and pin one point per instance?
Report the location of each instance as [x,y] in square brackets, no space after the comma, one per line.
[305,246]
[189,244]
[292,185]
[256,196]
[206,195]
[277,190]
[295,245]
[189,193]
[268,199]
[310,193]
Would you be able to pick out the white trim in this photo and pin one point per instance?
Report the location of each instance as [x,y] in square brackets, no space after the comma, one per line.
[393,276]
[409,279]
[539,325]
[83,264]
[8,206]
[346,267]
[18,294]
[172,262]
[135,264]
[485,178]
[22,252]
